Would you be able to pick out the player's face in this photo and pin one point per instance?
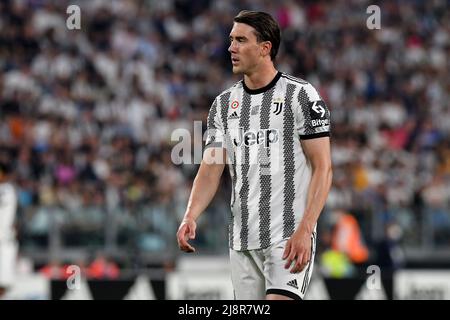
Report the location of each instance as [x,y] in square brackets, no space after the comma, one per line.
[245,50]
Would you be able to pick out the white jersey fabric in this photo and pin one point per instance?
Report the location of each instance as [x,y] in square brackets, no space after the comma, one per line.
[8,243]
[261,131]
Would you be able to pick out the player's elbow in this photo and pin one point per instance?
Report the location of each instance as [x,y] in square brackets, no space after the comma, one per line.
[323,166]
[325,170]
[210,174]
[329,172]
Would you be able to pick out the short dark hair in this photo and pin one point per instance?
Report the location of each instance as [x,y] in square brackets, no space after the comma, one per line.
[267,29]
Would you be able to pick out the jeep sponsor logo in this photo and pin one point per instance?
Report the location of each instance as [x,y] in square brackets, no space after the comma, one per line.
[251,137]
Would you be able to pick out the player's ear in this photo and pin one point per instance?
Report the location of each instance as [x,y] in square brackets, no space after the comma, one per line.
[266,46]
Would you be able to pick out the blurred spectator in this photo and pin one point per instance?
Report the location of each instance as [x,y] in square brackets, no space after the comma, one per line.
[103,268]
[336,264]
[54,270]
[390,254]
[347,238]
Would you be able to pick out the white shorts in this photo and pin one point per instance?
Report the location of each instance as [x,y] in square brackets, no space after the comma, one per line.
[256,273]
[8,257]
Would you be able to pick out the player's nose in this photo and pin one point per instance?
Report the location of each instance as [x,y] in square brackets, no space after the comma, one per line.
[232,48]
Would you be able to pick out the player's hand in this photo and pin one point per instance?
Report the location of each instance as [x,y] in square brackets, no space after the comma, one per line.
[298,251]
[185,232]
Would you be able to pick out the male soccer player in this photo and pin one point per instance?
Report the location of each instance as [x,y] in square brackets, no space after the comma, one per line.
[273,131]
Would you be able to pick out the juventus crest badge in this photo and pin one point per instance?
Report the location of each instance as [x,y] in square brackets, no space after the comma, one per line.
[278,107]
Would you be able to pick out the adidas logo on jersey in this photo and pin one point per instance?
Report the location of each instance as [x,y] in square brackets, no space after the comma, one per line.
[293,283]
[234,115]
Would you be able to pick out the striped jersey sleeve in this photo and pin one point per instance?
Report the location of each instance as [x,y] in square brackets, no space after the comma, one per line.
[215,130]
[313,116]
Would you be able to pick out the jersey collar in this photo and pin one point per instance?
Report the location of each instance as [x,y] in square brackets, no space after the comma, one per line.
[263,89]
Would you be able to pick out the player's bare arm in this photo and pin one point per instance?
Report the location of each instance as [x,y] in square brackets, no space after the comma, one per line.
[298,247]
[203,190]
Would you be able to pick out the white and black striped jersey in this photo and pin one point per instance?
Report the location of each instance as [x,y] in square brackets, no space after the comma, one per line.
[261,131]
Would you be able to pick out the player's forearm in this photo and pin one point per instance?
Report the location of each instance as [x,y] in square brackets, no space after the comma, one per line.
[317,195]
[203,191]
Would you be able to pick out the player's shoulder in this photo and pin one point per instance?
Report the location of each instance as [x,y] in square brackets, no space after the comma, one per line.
[295,80]
[298,82]
[236,86]
[301,86]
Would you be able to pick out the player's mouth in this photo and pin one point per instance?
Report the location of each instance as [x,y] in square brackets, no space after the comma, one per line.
[234,61]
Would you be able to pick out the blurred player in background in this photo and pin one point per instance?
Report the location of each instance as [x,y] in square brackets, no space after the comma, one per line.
[273,131]
[8,243]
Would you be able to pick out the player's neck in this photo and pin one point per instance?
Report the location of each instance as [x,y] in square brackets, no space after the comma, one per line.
[260,78]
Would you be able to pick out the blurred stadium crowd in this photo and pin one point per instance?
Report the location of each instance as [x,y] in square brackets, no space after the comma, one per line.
[87,115]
